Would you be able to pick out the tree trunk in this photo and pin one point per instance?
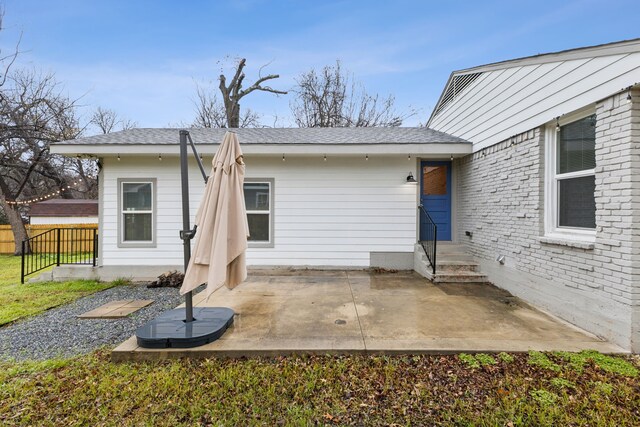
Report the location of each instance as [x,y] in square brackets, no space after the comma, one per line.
[17,226]
[234,117]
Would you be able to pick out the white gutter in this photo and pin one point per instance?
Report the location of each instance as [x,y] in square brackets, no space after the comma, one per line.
[98,150]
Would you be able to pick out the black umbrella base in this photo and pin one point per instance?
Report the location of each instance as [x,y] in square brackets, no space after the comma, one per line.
[169,330]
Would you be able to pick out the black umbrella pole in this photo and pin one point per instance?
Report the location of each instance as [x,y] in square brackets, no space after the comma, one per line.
[186,227]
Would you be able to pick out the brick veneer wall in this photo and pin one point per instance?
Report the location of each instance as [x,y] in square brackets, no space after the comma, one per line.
[500,200]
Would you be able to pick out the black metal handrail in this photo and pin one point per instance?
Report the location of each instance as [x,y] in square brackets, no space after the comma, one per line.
[429,245]
[59,246]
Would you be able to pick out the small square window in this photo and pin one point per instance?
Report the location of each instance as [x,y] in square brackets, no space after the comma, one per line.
[258,198]
[136,218]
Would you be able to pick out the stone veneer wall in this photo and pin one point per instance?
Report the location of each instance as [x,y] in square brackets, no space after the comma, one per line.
[500,199]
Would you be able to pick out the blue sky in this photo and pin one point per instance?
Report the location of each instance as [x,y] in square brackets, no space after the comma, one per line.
[142,58]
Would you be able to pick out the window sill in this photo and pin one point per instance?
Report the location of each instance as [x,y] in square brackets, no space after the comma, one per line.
[572,242]
[258,245]
[125,245]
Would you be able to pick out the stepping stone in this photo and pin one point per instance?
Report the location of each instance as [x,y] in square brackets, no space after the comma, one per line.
[116,309]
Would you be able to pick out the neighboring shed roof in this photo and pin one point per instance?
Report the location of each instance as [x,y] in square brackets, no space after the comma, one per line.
[313,136]
[65,207]
[492,102]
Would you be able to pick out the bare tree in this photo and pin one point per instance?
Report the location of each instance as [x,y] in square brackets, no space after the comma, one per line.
[233,92]
[210,112]
[331,98]
[107,121]
[33,113]
[126,124]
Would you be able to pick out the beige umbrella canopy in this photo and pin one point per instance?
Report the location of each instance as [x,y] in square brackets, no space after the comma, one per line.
[221,240]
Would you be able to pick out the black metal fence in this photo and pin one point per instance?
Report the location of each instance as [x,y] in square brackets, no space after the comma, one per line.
[59,246]
[429,230]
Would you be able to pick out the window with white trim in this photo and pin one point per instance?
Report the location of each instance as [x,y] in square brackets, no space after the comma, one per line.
[571,177]
[136,212]
[258,198]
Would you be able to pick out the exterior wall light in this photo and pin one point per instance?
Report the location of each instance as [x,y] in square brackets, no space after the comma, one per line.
[411,179]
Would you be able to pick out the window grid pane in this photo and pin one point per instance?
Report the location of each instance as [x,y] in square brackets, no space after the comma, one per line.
[576,202]
[138,227]
[576,146]
[256,196]
[258,227]
[136,196]
[434,180]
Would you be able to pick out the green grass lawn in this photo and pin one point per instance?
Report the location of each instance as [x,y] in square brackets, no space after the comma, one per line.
[18,301]
[9,270]
[551,389]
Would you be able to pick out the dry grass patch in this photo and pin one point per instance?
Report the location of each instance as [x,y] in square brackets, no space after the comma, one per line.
[306,390]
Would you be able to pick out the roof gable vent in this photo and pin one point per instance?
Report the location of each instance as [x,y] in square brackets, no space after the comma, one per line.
[456,86]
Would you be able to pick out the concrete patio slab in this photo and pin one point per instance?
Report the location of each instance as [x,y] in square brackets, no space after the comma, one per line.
[284,311]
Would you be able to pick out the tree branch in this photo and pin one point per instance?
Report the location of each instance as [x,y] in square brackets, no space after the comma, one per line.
[256,86]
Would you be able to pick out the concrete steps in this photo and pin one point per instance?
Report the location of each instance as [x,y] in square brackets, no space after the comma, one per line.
[453,265]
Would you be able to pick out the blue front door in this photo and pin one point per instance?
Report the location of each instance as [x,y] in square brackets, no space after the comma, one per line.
[435,196]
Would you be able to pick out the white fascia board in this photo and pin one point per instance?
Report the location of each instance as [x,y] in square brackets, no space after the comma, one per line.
[265,149]
[609,49]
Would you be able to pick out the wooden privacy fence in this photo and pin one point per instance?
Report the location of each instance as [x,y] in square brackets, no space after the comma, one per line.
[7,245]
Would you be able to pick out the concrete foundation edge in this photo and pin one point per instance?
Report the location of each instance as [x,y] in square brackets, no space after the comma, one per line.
[391,260]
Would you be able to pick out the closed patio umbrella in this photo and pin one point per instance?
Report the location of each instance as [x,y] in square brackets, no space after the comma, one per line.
[218,257]
[221,240]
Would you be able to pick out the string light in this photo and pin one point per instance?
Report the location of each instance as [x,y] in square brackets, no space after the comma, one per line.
[41,198]
[366,157]
[452,157]
[118,156]
[325,157]
[283,159]
[409,157]
[629,99]
[160,157]
[557,124]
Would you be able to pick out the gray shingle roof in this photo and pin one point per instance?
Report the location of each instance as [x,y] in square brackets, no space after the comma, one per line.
[319,136]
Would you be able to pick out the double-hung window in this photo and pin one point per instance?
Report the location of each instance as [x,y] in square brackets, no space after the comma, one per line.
[571,178]
[258,198]
[136,216]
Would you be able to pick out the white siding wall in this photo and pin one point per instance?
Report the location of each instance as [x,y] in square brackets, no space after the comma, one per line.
[331,213]
[63,220]
[506,102]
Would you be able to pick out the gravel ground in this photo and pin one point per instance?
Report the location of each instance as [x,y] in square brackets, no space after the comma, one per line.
[58,333]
